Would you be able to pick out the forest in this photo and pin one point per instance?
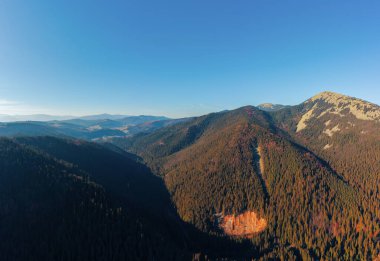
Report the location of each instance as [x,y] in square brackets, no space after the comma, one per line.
[235,185]
[313,207]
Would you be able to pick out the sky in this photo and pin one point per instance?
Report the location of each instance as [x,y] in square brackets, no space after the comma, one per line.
[183,58]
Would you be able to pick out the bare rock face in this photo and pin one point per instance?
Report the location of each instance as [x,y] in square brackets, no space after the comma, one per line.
[244,225]
[338,104]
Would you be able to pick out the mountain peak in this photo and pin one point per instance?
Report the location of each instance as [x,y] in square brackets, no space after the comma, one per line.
[331,97]
[270,107]
[339,104]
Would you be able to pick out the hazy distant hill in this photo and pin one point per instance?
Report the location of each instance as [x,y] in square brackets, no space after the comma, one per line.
[271,107]
[15,129]
[88,129]
[102,117]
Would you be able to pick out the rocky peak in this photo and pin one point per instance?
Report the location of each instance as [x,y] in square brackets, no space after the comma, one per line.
[270,107]
[361,109]
[330,97]
[337,104]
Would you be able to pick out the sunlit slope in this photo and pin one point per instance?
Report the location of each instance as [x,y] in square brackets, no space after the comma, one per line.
[235,162]
[344,131]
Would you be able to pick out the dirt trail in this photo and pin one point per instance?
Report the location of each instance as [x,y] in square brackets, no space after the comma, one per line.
[260,168]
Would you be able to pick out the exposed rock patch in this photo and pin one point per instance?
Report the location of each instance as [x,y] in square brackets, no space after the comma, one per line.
[341,105]
[308,115]
[259,167]
[261,161]
[330,132]
[242,225]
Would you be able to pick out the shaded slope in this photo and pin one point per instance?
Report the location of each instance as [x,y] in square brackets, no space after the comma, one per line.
[123,177]
[56,129]
[53,210]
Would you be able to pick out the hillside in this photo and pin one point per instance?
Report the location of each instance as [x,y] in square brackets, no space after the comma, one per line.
[53,207]
[238,167]
[343,131]
[56,129]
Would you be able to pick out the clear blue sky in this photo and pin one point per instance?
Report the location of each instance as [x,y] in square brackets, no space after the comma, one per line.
[181,58]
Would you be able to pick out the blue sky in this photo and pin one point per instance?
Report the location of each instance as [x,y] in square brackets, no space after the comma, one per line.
[183,58]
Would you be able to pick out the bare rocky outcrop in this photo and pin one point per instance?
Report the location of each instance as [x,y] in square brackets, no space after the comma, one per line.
[330,132]
[362,110]
[307,116]
[244,225]
[338,104]
[259,167]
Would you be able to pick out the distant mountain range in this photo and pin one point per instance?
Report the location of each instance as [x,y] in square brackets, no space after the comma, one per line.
[102,117]
[45,117]
[88,127]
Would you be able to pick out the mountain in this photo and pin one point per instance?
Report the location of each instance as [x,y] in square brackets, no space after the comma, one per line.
[150,126]
[271,107]
[73,200]
[243,174]
[94,124]
[135,120]
[343,131]
[269,176]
